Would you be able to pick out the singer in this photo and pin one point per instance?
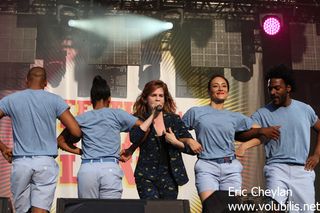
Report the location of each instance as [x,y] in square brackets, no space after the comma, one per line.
[160,168]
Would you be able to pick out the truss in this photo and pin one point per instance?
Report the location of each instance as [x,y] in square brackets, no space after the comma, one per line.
[297,10]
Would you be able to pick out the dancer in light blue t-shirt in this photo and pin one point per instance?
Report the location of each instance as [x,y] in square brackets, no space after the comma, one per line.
[288,169]
[100,175]
[33,113]
[216,128]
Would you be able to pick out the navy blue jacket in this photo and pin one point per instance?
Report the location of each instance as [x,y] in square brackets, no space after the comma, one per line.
[149,157]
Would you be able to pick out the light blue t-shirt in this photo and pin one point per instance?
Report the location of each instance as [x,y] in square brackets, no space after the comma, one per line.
[33,114]
[101,131]
[295,121]
[215,129]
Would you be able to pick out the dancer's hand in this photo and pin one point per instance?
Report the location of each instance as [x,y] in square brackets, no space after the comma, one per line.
[125,155]
[311,162]
[7,153]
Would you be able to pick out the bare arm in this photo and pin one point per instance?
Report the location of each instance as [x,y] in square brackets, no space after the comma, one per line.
[194,145]
[70,123]
[126,154]
[313,160]
[5,151]
[259,132]
[269,132]
[240,152]
[66,143]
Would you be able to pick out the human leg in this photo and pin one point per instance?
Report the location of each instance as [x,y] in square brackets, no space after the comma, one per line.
[88,181]
[207,178]
[21,174]
[44,182]
[302,188]
[110,181]
[168,188]
[231,176]
[277,179]
[147,189]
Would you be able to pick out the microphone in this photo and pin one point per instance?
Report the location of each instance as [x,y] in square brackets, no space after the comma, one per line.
[159,108]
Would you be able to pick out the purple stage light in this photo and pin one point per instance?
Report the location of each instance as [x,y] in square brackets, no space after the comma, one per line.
[271,25]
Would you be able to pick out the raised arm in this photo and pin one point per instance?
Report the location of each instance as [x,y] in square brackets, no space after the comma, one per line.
[144,125]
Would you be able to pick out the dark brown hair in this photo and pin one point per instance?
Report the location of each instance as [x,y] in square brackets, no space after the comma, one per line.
[140,107]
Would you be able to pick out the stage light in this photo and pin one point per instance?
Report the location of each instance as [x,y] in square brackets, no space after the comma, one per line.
[167,25]
[134,26]
[72,23]
[271,23]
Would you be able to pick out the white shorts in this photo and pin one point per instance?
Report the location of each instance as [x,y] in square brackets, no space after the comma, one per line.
[33,182]
[100,180]
[212,176]
[291,183]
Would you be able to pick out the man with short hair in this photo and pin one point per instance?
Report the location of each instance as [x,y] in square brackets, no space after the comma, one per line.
[33,112]
[288,170]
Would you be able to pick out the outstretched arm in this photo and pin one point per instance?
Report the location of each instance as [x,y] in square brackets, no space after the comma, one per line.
[243,147]
[256,131]
[313,160]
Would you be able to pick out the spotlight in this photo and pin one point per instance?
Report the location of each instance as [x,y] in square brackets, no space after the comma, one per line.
[110,27]
[271,23]
[72,23]
[167,25]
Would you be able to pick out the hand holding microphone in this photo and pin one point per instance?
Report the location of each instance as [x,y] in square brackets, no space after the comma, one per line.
[156,110]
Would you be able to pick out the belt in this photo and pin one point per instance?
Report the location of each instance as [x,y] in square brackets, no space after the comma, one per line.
[224,159]
[31,156]
[289,164]
[295,164]
[100,160]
